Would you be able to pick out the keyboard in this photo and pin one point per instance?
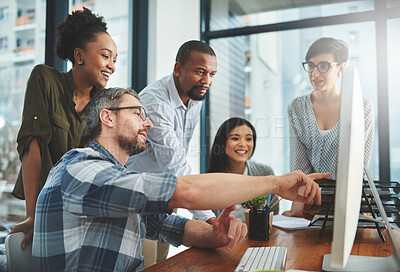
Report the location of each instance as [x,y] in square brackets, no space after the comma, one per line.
[262,258]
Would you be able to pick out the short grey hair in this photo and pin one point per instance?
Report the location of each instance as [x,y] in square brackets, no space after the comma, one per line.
[103,99]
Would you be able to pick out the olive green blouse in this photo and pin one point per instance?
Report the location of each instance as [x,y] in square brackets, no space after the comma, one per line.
[49,114]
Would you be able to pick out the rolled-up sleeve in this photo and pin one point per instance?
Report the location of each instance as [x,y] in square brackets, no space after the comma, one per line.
[35,117]
[165,228]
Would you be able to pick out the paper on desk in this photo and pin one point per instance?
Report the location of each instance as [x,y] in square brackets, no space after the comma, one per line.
[290,223]
[295,270]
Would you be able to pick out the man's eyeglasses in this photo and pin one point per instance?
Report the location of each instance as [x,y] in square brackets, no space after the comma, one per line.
[142,112]
[322,67]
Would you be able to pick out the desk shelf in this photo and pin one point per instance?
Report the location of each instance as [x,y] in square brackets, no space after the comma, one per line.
[389,193]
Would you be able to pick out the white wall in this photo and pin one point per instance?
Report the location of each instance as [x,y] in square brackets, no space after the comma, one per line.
[171,23]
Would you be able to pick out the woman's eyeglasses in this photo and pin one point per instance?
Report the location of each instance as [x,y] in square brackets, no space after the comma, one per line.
[322,67]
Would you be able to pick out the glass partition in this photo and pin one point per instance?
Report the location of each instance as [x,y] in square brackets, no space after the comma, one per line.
[117,20]
[394,96]
[22,46]
[259,75]
[22,43]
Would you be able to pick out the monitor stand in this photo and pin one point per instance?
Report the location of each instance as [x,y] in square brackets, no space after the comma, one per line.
[367,263]
[363,264]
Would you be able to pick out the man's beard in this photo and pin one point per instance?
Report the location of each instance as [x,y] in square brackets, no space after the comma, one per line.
[196,97]
[131,146]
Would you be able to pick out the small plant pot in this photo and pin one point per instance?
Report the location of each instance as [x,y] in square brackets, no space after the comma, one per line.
[246,216]
[259,225]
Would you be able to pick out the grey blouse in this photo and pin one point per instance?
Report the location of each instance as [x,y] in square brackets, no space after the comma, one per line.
[310,150]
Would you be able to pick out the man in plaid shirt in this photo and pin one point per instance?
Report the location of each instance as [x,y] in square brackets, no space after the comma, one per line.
[93,213]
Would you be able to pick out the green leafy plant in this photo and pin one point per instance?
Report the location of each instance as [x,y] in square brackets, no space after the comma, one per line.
[255,203]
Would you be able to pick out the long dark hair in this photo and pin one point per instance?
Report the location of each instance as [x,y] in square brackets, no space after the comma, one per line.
[218,161]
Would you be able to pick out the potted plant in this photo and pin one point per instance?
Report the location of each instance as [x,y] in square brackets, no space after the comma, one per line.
[255,204]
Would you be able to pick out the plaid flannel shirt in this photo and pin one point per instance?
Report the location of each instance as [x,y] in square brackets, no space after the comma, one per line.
[93,214]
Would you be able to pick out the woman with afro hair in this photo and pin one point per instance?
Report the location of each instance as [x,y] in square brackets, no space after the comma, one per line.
[53,119]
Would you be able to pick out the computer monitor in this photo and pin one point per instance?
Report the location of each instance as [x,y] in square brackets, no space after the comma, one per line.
[350,170]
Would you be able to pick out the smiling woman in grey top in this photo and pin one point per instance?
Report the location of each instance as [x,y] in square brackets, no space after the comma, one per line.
[233,146]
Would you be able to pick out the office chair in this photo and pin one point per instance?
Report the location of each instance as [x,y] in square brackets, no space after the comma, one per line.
[18,260]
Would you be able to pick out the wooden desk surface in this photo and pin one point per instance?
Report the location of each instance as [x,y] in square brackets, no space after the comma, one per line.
[305,251]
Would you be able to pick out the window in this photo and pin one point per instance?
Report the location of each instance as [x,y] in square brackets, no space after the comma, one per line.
[3,43]
[118,27]
[394,96]
[21,47]
[3,13]
[353,37]
[259,75]
[258,50]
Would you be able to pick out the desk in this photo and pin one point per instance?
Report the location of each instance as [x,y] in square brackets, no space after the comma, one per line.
[305,251]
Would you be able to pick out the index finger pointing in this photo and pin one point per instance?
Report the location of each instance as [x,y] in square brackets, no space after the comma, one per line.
[227,211]
[315,176]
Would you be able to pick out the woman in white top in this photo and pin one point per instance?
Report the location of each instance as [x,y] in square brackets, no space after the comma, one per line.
[314,118]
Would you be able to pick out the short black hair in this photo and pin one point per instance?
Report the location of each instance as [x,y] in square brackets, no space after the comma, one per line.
[218,161]
[329,45]
[188,47]
[76,30]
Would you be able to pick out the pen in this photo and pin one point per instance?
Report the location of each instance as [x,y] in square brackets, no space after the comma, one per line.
[273,205]
[273,198]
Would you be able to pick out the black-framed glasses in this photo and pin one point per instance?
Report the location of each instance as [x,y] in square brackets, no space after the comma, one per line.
[142,112]
[322,67]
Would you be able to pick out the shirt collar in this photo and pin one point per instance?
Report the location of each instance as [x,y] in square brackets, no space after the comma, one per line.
[174,95]
[101,149]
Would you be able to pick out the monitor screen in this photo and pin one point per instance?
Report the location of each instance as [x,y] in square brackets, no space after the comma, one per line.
[349,168]
[349,182]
